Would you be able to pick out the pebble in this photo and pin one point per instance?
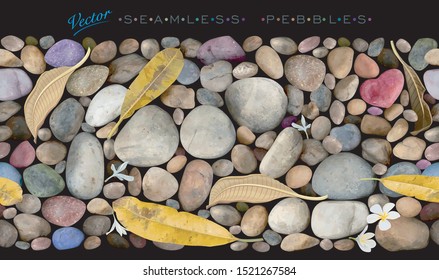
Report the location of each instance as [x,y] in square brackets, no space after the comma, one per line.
[170,42]
[102,133]
[44,134]
[338,219]
[308,44]
[261,247]
[207,132]
[290,215]
[106,105]
[408,207]
[216,76]
[387,59]
[376,150]
[259,153]
[8,109]
[12,43]
[99,206]
[383,91]
[243,159]
[269,62]
[178,96]
[346,185]
[405,234]
[393,112]
[22,245]
[63,210]
[432,134]
[340,61]
[41,244]
[149,48]
[238,246]
[33,60]
[310,110]
[305,72]
[418,51]
[375,47]
[88,43]
[46,42]
[329,81]
[128,46]
[60,167]
[283,45]
[320,52]
[298,176]
[65,52]
[430,212]
[379,169]
[2,208]
[137,241]
[117,241]
[375,125]
[108,149]
[411,148]
[9,213]
[159,185]
[271,237]
[432,170]
[245,70]
[322,98]
[222,168]
[30,204]
[87,80]
[104,52]
[343,42]
[337,112]
[329,43]
[429,99]
[344,245]
[320,128]
[8,59]
[298,241]
[432,57]
[220,48]
[410,115]
[326,244]
[345,89]
[203,213]
[135,186]
[176,164]
[195,185]
[403,46]
[67,238]
[332,145]
[51,152]
[432,152]
[423,164]
[356,107]
[254,221]
[435,112]
[295,100]
[360,45]
[366,67]
[266,140]
[14,84]
[20,131]
[66,120]
[5,148]
[235,230]
[207,97]
[348,135]
[31,40]
[23,155]
[114,190]
[225,215]
[9,172]
[92,242]
[378,198]
[125,68]
[399,168]
[252,43]
[5,133]
[313,152]
[189,47]
[434,232]
[96,225]
[189,74]
[31,226]
[399,130]
[245,135]
[85,101]
[149,138]
[43,181]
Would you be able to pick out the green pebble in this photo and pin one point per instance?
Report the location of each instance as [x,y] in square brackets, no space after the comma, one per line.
[31,40]
[242,206]
[88,42]
[344,42]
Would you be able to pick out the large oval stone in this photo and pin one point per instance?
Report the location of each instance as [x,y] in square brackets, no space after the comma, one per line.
[87,80]
[14,83]
[106,105]
[66,119]
[149,138]
[85,167]
[67,238]
[31,226]
[43,181]
[63,210]
[64,53]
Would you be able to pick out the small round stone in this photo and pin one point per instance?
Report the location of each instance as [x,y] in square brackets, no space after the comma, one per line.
[375,111]
[259,153]
[298,176]
[408,207]
[360,45]
[356,107]
[23,245]
[88,128]
[99,206]
[326,244]
[344,244]
[423,163]
[170,42]
[114,190]
[128,46]
[404,98]
[320,128]
[117,241]
[176,164]
[252,43]
[245,135]
[410,115]
[60,167]
[92,242]
[46,42]
[271,237]
[332,145]
[222,167]
[137,241]
[44,134]
[31,40]
[5,149]
[329,43]
[96,225]
[88,42]
[204,213]
[178,116]
[243,159]
[379,169]
[9,213]
[173,203]
[235,230]
[393,112]
[403,46]
[242,207]
[261,247]
[85,101]
[41,243]
[238,246]
[254,221]
[30,204]
[343,42]
[225,215]
[158,184]
[51,152]
[379,199]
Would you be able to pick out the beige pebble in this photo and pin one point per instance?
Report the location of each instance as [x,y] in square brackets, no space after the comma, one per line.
[432,134]
[135,186]
[265,140]
[298,241]
[320,52]
[222,167]
[243,159]
[329,43]
[332,145]
[178,116]
[399,130]
[108,148]
[379,169]
[9,213]
[393,112]
[33,59]
[176,164]
[269,62]
[99,206]
[245,135]
[404,98]
[44,134]
[337,112]
[254,221]
[128,46]
[298,176]
[320,128]
[378,198]
[114,190]
[411,148]
[329,81]
[356,107]
[310,111]
[92,242]
[410,115]
[344,245]
[375,125]
[432,57]
[408,207]
[103,132]
[403,46]
[252,43]
[326,244]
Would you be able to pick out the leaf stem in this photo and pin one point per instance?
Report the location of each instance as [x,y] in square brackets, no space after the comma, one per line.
[370,179]
[250,240]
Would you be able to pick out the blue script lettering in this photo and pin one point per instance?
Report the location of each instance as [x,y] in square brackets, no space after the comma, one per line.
[79,23]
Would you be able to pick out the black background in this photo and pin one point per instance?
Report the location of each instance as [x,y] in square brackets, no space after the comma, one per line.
[40,19]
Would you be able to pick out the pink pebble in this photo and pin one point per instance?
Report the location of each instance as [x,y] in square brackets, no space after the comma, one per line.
[309,44]
[375,111]
[432,152]
[423,163]
[220,48]
[288,121]
[23,155]
[384,90]
[40,243]
[429,99]
[5,148]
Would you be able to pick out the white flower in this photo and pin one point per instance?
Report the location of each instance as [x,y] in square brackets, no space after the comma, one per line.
[117,173]
[383,215]
[119,228]
[365,241]
[302,127]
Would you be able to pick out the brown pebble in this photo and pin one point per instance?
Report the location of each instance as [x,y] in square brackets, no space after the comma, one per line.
[375,125]
[259,153]
[404,98]
[92,242]
[332,145]
[103,132]
[356,107]
[135,186]
[137,241]
[117,241]
[410,115]
[393,112]
[344,245]
[245,135]
[176,164]
[298,176]
[40,243]
[261,247]
[252,43]
[310,110]
[399,130]
[180,151]
[254,221]
[243,159]
[326,244]
[408,207]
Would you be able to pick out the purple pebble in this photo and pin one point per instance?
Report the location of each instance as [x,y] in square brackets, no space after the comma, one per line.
[64,53]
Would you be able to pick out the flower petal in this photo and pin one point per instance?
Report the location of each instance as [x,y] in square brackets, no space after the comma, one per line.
[364,247]
[122,166]
[384,225]
[303,121]
[372,218]
[113,168]
[362,232]
[368,235]
[296,126]
[388,206]
[376,209]
[371,243]
[392,215]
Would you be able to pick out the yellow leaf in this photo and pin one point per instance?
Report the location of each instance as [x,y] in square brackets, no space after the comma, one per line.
[256,188]
[46,95]
[157,75]
[10,192]
[165,224]
[418,186]
[416,91]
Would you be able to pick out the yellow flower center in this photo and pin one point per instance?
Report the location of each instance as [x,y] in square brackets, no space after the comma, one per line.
[383,216]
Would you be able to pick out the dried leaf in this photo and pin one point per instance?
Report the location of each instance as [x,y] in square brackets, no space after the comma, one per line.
[416,91]
[418,186]
[161,223]
[256,188]
[157,75]
[10,192]
[46,95]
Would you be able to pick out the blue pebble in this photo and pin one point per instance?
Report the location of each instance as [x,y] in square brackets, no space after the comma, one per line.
[67,238]
[8,171]
[432,170]
[189,74]
[400,168]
